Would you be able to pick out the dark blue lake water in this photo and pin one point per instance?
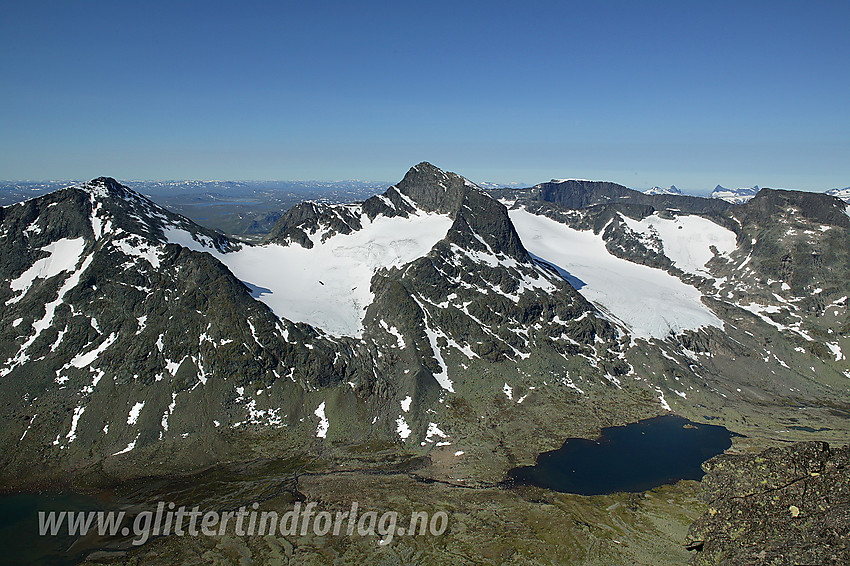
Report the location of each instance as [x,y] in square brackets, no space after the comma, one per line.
[19,534]
[633,458]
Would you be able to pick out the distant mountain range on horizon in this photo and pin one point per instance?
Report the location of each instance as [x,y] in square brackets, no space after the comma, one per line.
[738,195]
[38,187]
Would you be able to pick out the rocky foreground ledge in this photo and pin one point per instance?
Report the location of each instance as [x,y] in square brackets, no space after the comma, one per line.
[788,505]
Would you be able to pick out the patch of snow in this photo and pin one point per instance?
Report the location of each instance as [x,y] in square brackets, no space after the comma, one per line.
[324,423]
[267,417]
[254,333]
[836,351]
[26,430]
[134,413]
[401,428]
[434,431]
[72,434]
[130,446]
[568,381]
[168,411]
[200,243]
[394,331]
[172,367]
[405,404]
[843,194]
[760,310]
[33,229]
[85,360]
[664,404]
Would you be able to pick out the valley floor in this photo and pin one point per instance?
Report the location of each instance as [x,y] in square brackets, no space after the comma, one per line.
[487,526]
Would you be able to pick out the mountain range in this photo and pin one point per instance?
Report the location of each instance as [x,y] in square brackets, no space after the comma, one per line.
[471,328]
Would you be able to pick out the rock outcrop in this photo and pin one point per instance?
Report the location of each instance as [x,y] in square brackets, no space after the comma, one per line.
[788,505]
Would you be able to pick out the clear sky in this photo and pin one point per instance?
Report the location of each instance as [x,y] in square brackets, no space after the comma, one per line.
[642,93]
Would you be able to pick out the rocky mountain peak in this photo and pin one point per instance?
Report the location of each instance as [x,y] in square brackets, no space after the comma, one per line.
[106,183]
[107,188]
[433,189]
[103,210]
[425,188]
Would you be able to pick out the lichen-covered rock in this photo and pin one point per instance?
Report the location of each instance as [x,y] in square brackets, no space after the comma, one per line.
[788,505]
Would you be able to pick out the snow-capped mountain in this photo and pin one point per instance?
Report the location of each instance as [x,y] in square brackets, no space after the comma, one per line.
[671,190]
[497,185]
[757,265]
[735,196]
[130,335]
[843,194]
[117,336]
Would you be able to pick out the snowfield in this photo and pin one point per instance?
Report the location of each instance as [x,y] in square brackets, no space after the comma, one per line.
[328,286]
[686,239]
[648,301]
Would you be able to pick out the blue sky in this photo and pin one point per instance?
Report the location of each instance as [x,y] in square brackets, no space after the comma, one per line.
[641,93]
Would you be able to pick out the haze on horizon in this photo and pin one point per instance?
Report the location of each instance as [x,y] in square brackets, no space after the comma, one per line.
[642,94]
